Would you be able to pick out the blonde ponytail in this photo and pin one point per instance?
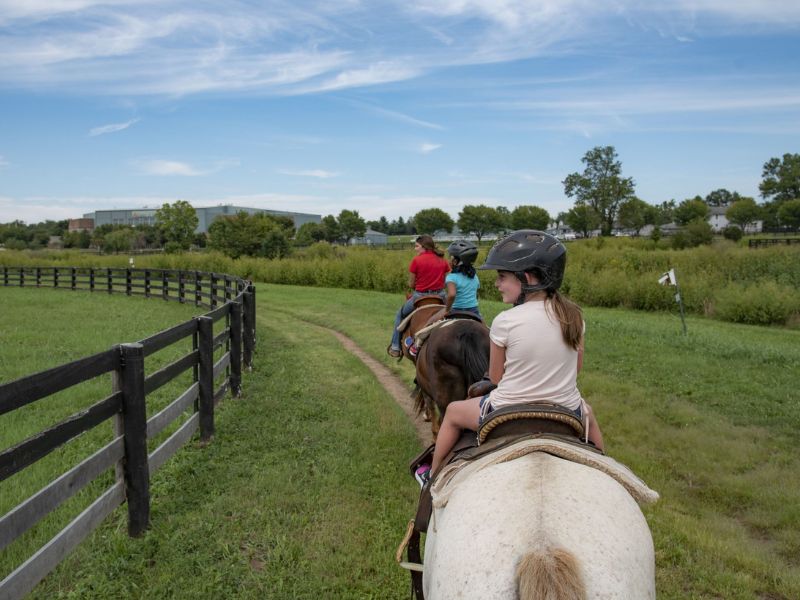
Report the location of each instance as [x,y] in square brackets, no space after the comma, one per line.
[569,315]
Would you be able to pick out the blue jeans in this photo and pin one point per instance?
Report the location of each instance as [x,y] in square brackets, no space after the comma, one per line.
[407,309]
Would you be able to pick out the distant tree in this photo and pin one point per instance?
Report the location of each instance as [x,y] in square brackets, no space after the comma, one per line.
[601,185]
[177,222]
[695,233]
[691,209]
[309,233]
[285,224]
[561,219]
[431,220]
[721,197]
[381,225]
[529,217]
[120,240]
[789,214]
[77,239]
[241,234]
[582,219]
[275,244]
[781,178]
[732,232]
[664,213]
[635,213]
[743,212]
[331,228]
[351,225]
[505,215]
[480,220]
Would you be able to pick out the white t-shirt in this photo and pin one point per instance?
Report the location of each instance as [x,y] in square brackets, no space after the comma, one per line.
[539,366]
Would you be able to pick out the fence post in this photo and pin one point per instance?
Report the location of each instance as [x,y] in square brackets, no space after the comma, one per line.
[181,288]
[128,285]
[73,278]
[213,291]
[55,276]
[134,426]
[91,279]
[198,288]
[147,283]
[22,277]
[249,326]
[205,376]
[38,276]
[236,348]
[164,284]
[5,275]
[110,278]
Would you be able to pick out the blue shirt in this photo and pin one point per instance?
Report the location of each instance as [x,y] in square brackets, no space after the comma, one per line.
[466,290]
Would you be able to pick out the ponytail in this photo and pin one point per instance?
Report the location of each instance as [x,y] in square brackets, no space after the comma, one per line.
[427,242]
[569,315]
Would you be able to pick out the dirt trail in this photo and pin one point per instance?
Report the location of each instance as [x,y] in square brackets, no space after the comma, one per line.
[393,385]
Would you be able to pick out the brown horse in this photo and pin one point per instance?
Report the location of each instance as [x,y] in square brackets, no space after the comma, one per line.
[451,359]
[424,308]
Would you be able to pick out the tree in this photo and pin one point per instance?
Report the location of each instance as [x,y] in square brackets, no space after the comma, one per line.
[240,234]
[635,214]
[505,215]
[582,218]
[177,221]
[431,220]
[601,186]
[743,212]
[721,197]
[691,209]
[309,233]
[789,214]
[381,225]
[350,225]
[275,244]
[781,178]
[480,220]
[120,240]
[529,217]
[664,213]
[331,228]
[695,233]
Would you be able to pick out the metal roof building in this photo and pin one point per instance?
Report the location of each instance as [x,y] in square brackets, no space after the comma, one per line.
[205,216]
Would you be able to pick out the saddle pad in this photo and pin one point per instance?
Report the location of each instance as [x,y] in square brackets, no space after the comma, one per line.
[404,323]
[423,333]
[452,474]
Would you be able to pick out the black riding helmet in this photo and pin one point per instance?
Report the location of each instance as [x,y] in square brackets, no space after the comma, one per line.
[532,251]
[464,251]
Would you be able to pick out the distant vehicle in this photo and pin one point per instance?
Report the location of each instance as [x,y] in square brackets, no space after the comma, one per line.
[568,236]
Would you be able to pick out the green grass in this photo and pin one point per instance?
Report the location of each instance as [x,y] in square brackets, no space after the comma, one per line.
[303,493]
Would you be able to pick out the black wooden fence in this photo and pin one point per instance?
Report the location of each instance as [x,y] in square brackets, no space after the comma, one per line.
[766,242]
[230,298]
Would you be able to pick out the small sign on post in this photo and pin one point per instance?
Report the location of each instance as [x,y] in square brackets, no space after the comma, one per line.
[669,278]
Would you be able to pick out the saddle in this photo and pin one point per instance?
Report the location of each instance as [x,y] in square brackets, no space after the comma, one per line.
[502,428]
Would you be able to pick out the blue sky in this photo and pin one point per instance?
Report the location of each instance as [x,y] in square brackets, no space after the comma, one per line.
[386,107]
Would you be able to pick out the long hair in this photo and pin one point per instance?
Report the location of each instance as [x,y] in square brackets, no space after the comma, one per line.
[465,268]
[427,242]
[569,315]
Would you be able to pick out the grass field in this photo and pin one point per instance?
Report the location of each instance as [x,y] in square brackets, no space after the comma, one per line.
[303,492]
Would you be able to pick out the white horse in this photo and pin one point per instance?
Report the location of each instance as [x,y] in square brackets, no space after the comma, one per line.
[537,527]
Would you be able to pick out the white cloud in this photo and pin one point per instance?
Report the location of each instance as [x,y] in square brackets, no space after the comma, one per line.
[317,173]
[427,147]
[112,128]
[168,167]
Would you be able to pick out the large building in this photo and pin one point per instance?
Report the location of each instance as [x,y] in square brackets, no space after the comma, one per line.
[205,216]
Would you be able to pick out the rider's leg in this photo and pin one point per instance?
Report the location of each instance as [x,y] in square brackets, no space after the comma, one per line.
[462,414]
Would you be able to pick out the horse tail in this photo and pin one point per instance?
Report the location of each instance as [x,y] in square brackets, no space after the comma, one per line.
[551,574]
[475,356]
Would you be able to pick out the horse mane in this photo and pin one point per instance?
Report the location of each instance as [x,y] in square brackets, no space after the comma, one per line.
[551,574]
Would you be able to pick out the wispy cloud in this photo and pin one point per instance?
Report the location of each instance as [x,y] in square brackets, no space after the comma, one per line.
[183,47]
[167,167]
[398,116]
[316,173]
[112,128]
[427,148]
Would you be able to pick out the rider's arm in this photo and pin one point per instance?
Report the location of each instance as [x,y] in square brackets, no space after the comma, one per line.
[497,362]
[412,281]
[451,296]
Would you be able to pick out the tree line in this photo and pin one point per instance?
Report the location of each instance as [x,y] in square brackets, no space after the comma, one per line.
[603,199]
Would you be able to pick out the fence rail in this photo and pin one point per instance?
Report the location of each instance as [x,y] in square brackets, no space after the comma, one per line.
[766,242]
[229,298]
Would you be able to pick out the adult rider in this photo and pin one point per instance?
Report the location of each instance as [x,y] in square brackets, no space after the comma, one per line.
[426,277]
